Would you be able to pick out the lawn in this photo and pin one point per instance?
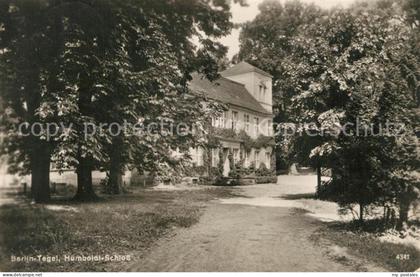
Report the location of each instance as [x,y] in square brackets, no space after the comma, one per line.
[119,225]
[366,245]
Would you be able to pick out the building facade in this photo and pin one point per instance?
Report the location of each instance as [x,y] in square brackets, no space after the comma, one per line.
[245,130]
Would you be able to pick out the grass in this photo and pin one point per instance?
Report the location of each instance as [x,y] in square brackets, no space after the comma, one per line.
[366,245]
[119,225]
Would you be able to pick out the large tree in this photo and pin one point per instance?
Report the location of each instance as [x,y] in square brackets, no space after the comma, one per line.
[352,74]
[266,42]
[344,66]
[93,62]
[27,45]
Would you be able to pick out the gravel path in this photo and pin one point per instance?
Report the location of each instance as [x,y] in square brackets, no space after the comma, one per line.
[249,237]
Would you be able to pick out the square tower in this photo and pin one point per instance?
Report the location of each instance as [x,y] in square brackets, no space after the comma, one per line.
[256,81]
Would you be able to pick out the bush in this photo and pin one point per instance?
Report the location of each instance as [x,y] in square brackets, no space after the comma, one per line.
[194,170]
[266,179]
[140,179]
[207,180]
[214,172]
[199,170]
[225,181]
[251,166]
[220,181]
[264,171]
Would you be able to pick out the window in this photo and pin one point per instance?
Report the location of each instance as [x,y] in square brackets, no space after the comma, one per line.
[257,159]
[246,119]
[262,91]
[246,157]
[236,155]
[267,159]
[222,120]
[257,127]
[215,157]
[216,121]
[197,156]
[234,120]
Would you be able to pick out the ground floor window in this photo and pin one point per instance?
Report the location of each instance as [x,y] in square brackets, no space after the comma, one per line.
[236,155]
[215,157]
[268,159]
[257,159]
[246,158]
[197,156]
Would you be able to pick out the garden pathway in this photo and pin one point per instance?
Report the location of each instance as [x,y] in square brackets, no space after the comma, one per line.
[259,232]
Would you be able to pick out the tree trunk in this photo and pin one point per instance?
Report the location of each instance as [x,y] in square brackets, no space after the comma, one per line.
[115,167]
[318,181]
[387,214]
[85,190]
[115,177]
[40,173]
[361,213]
[403,214]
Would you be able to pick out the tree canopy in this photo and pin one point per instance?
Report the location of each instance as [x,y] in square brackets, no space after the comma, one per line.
[339,74]
[84,63]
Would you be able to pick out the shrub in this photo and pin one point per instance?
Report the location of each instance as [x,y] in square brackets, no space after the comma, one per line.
[207,180]
[265,179]
[251,166]
[199,170]
[264,171]
[214,172]
[138,179]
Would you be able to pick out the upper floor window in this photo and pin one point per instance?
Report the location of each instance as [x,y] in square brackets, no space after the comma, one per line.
[262,92]
[215,156]
[234,120]
[269,127]
[246,120]
[221,121]
[257,125]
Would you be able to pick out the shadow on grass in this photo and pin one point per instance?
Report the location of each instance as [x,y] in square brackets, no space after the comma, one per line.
[136,195]
[362,240]
[372,226]
[122,224]
[27,229]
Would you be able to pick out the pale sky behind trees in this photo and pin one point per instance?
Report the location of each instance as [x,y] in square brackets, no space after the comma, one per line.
[243,14]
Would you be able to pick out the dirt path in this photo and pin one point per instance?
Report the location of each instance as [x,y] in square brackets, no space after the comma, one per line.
[248,237]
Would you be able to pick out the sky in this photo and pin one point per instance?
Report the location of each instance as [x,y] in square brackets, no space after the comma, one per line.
[243,14]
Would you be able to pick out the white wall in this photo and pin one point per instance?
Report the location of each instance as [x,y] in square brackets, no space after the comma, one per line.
[252,81]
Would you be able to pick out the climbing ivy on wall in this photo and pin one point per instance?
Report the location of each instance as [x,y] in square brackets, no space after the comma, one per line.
[215,134]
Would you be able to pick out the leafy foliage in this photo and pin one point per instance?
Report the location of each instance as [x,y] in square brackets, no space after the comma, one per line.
[346,71]
[95,63]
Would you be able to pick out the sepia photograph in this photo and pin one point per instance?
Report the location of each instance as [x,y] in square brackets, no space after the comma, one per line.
[209,136]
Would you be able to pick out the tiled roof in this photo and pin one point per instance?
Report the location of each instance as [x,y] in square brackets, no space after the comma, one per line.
[243,67]
[226,91]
